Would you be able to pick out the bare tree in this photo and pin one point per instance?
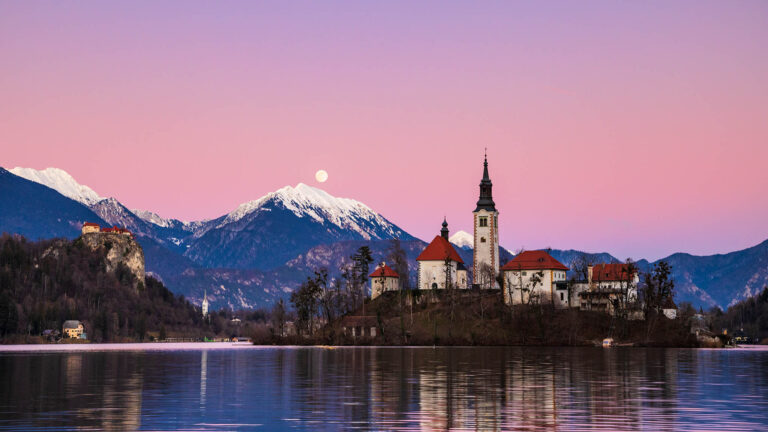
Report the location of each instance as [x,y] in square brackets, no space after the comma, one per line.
[626,287]
[399,260]
[449,285]
[487,275]
[278,317]
[536,278]
[580,267]
[327,295]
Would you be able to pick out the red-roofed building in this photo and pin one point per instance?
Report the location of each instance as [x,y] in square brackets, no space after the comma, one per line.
[117,230]
[438,257]
[383,278]
[535,277]
[607,287]
[614,272]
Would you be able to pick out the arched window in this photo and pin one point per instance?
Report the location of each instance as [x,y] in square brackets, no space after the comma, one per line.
[434,285]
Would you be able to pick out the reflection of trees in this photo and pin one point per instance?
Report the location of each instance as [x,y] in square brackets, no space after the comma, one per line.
[370,388]
[80,385]
[485,388]
[510,388]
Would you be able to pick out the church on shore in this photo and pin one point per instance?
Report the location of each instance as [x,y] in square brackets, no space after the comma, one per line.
[440,265]
[531,277]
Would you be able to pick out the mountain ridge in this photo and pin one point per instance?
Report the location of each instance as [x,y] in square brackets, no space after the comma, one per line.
[273,235]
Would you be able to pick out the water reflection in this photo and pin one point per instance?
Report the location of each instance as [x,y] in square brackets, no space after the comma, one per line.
[387,388]
[203,377]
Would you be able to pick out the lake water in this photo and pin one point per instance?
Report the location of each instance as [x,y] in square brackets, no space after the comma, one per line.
[224,387]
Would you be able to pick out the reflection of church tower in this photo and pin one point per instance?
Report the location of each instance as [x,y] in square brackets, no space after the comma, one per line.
[486,220]
[205,305]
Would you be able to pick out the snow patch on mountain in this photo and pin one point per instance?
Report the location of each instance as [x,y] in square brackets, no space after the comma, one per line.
[462,239]
[314,203]
[115,213]
[60,181]
[465,240]
[153,218]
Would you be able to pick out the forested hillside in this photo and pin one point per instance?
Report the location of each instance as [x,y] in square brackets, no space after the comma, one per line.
[45,283]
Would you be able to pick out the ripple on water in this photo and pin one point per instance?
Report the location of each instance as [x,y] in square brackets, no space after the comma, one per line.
[246,387]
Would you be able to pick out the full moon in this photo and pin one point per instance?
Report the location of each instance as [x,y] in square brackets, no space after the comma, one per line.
[321,176]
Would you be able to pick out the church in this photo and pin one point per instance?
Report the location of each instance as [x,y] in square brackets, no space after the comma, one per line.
[440,266]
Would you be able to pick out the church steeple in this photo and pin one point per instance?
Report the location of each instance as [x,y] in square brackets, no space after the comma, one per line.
[444,230]
[205,304]
[486,190]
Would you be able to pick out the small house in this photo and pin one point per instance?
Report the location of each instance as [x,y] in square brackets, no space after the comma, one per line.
[669,308]
[608,286]
[359,326]
[535,277]
[73,329]
[383,279]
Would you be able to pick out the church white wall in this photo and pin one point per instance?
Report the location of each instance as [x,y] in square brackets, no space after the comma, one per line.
[519,289]
[388,284]
[433,272]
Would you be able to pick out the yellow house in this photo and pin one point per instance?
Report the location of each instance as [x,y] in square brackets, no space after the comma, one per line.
[90,227]
[73,329]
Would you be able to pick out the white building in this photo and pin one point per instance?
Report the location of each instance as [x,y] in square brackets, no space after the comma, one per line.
[205,305]
[440,264]
[534,277]
[485,264]
[383,279]
[669,309]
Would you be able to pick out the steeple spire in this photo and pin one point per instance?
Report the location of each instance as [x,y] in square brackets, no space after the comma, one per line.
[444,230]
[486,189]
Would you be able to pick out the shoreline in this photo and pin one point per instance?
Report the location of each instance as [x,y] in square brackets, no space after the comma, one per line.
[204,346]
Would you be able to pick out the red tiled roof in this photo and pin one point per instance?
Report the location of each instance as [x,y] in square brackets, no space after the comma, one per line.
[385,271]
[115,229]
[91,224]
[534,260]
[609,272]
[438,250]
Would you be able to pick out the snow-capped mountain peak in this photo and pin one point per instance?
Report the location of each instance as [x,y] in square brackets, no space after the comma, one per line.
[317,204]
[462,239]
[60,181]
[153,218]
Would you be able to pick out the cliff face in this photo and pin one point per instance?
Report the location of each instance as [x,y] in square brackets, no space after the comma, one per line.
[118,249]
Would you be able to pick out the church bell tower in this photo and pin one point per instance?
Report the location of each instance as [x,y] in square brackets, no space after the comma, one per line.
[486,223]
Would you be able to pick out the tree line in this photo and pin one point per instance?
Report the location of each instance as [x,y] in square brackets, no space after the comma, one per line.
[44,283]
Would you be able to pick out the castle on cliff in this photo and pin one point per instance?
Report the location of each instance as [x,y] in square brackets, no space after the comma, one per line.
[90,227]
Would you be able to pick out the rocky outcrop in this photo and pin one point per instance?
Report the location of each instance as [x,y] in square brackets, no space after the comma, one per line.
[118,248]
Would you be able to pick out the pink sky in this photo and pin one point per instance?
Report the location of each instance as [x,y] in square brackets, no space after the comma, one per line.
[637,128]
